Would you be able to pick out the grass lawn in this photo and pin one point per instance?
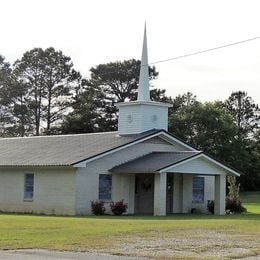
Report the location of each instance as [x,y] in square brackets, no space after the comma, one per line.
[171,237]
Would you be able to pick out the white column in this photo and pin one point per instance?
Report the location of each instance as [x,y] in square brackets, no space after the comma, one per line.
[220,194]
[120,187]
[160,180]
[131,204]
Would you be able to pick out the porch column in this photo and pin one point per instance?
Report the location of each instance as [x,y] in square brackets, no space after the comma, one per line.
[160,180]
[177,193]
[220,194]
[131,204]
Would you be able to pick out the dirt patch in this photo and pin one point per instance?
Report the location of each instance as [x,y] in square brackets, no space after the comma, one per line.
[199,244]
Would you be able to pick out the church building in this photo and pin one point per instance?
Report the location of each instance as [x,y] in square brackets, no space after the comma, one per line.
[152,170]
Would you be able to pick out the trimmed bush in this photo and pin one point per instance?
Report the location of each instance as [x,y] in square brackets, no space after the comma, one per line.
[118,208]
[97,207]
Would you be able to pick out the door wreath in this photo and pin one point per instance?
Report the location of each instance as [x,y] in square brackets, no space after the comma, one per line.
[146,184]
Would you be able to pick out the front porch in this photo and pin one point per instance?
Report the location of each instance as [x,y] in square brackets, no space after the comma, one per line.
[160,183]
[166,193]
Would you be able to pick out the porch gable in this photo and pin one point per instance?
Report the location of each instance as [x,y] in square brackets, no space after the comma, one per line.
[200,164]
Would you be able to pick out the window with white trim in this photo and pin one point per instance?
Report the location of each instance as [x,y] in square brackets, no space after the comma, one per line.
[105,187]
[28,186]
[198,184]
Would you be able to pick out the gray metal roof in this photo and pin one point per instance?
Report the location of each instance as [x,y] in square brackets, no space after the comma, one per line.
[61,149]
[153,162]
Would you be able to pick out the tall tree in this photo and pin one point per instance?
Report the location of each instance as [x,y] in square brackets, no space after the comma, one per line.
[250,163]
[208,127]
[182,101]
[50,80]
[84,118]
[245,113]
[111,83]
[118,80]
[5,81]
[13,109]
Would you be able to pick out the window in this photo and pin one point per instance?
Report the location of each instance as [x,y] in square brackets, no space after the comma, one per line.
[105,184]
[198,189]
[28,186]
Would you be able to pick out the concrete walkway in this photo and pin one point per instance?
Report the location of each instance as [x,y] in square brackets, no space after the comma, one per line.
[40,254]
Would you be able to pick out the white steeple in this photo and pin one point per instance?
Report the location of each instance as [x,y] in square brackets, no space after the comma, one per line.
[143,89]
[143,114]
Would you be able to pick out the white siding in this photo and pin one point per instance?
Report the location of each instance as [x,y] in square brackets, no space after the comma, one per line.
[198,166]
[54,191]
[142,118]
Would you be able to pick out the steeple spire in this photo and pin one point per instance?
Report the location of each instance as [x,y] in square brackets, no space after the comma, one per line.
[143,88]
[142,115]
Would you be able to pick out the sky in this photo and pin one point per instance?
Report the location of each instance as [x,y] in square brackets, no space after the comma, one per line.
[102,31]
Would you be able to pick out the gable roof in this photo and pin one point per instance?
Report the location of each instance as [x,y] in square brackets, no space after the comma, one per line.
[72,150]
[61,150]
[168,161]
[154,162]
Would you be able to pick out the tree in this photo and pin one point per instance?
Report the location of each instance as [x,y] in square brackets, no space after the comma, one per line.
[109,83]
[5,72]
[50,79]
[208,127]
[250,163]
[13,110]
[84,118]
[245,112]
[5,81]
[184,100]
[212,128]
[118,81]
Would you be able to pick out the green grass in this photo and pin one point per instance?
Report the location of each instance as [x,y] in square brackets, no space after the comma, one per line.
[251,201]
[175,236]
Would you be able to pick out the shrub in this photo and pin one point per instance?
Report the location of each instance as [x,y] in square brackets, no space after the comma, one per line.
[118,208]
[234,206]
[97,207]
[233,202]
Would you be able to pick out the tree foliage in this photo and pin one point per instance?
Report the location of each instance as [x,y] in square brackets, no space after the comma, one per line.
[109,83]
[47,78]
[184,100]
[5,82]
[206,126]
[229,133]
[245,112]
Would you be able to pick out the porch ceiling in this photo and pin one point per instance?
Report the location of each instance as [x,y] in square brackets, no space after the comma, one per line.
[154,162]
